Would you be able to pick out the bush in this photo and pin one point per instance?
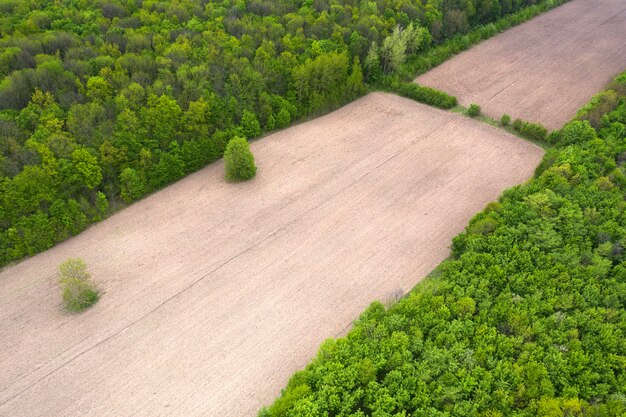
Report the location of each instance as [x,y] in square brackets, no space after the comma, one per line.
[424,95]
[532,131]
[78,290]
[505,120]
[473,110]
[239,160]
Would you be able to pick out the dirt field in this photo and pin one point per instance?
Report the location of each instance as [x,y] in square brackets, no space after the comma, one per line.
[543,70]
[215,293]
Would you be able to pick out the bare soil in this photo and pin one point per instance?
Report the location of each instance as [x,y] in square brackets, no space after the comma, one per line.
[543,70]
[215,293]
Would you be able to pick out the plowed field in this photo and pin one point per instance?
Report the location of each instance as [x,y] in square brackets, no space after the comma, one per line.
[213,294]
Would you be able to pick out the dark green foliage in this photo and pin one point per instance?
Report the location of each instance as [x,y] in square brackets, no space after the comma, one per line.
[90,89]
[532,131]
[473,110]
[78,290]
[425,95]
[505,120]
[239,161]
[527,319]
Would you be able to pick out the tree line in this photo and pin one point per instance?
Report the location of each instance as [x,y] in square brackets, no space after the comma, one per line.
[527,318]
[105,101]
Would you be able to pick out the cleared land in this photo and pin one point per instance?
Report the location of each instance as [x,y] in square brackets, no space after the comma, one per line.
[215,293]
[543,70]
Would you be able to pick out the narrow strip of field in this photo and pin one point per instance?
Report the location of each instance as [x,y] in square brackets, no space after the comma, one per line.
[215,293]
[543,70]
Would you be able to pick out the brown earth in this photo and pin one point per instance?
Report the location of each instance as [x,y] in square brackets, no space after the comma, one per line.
[543,70]
[215,293]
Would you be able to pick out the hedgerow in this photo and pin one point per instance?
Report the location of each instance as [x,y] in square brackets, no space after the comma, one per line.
[532,131]
[423,94]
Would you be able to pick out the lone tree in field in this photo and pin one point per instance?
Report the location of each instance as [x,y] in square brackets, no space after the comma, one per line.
[78,290]
[239,160]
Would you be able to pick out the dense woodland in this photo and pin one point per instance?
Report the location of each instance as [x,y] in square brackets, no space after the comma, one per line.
[104,101]
[528,317]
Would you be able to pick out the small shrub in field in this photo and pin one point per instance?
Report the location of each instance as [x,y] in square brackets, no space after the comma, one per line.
[505,120]
[239,160]
[473,110]
[517,125]
[78,290]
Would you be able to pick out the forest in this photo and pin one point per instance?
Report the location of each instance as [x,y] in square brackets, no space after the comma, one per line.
[525,319]
[103,102]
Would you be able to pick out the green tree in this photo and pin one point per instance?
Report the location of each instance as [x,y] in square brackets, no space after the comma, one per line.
[161,119]
[239,161]
[354,84]
[78,290]
[132,186]
[99,89]
[87,167]
[250,125]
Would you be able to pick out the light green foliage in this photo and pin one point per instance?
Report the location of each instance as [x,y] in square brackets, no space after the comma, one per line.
[505,120]
[373,71]
[283,118]
[576,132]
[162,117]
[132,186]
[87,168]
[99,89]
[239,161]
[78,290]
[393,50]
